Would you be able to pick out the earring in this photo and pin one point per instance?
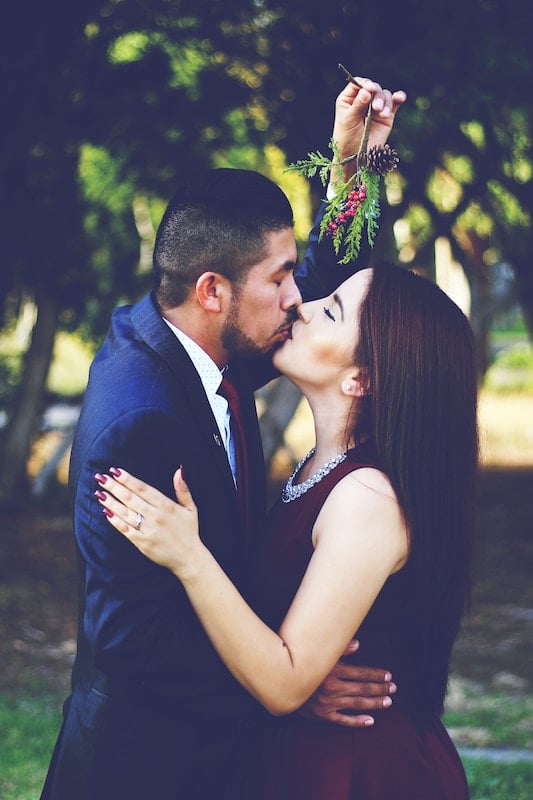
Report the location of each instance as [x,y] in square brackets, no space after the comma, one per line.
[346,386]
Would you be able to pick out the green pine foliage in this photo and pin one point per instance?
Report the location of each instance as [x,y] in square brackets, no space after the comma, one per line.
[316,162]
[367,215]
[345,227]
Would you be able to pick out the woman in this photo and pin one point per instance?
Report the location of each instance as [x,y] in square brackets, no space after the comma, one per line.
[371,535]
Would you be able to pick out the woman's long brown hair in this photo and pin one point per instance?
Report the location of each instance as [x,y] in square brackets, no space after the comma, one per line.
[421,418]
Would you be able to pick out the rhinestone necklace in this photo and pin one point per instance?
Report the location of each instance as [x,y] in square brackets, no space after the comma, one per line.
[291,492]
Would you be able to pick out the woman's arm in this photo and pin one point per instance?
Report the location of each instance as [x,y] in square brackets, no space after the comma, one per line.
[359,539]
[319,272]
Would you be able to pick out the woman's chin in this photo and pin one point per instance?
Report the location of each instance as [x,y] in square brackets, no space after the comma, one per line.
[278,357]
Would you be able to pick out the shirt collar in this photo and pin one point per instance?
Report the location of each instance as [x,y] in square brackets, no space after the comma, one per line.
[209,373]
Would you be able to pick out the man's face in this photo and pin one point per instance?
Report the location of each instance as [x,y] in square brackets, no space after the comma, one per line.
[260,315]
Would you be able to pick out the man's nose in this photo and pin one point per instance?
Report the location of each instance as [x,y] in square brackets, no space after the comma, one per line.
[292,297]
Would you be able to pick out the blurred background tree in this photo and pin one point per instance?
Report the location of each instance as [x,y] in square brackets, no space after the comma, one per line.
[106,103]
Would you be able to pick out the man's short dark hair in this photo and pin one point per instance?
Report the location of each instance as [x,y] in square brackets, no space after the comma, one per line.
[217,222]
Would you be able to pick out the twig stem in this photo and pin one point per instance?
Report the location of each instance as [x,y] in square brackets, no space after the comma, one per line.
[366,131]
[349,76]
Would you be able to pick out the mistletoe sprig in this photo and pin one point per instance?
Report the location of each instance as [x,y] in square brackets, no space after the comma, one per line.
[356,201]
[354,206]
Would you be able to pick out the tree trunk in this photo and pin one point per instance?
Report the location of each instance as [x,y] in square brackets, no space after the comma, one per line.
[17,438]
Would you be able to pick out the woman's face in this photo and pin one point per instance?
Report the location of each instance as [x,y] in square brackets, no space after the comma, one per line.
[323,339]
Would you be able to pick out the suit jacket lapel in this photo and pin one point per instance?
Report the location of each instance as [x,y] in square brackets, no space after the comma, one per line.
[158,336]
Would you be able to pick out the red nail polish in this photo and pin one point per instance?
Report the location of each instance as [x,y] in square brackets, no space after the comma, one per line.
[100,495]
[100,478]
[114,471]
[107,512]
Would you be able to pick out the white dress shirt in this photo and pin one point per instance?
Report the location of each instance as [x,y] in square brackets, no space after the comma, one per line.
[211,378]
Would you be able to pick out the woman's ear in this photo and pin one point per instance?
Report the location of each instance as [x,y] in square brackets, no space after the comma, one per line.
[212,290]
[357,383]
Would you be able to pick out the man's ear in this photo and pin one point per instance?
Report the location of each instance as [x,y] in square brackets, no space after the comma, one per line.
[357,383]
[213,291]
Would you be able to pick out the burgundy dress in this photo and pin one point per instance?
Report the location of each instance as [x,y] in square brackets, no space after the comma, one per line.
[403,756]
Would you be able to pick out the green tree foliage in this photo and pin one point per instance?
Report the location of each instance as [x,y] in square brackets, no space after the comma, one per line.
[465,135]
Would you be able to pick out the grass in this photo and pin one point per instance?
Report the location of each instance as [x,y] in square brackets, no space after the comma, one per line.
[29,726]
[493,781]
[476,718]
[28,730]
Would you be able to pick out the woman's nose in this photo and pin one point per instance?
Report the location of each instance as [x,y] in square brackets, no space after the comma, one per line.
[304,312]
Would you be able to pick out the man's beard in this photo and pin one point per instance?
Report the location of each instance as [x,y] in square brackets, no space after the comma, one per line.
[238,343]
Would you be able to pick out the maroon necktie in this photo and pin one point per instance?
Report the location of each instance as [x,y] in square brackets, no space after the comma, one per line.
[229,392]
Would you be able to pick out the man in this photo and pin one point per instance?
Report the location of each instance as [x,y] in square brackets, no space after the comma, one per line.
[153,711]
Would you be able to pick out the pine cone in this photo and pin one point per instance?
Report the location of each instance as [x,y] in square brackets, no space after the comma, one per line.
[382,159]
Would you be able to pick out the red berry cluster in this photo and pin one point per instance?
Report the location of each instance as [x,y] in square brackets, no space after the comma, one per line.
[348,210]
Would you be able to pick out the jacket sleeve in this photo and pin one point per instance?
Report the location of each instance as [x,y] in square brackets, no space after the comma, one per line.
[320,273]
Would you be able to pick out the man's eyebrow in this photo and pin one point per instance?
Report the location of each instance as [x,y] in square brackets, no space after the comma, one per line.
[289,266]
[337,299]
